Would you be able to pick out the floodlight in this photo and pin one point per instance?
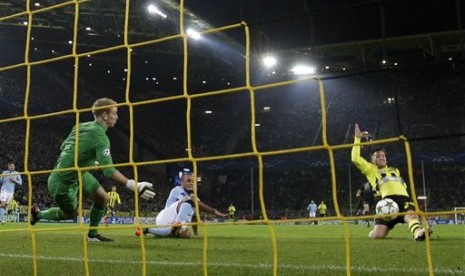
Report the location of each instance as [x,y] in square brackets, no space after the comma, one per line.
[152,9]
[193,34]
[269,61]
[303,70]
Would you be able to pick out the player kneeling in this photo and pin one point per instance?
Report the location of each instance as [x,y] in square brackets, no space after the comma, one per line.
[179,210]
[173,220]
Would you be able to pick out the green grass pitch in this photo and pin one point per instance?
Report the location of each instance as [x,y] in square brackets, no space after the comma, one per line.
[232,250]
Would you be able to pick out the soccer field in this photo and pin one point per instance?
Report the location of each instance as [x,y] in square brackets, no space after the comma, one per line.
[232,250]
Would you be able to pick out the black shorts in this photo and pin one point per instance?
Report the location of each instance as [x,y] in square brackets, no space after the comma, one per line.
[405,204]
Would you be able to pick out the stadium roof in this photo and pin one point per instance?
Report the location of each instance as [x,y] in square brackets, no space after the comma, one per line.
[344,33]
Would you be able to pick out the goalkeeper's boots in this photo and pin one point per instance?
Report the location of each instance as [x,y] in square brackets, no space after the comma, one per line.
[34,212]
[98,238]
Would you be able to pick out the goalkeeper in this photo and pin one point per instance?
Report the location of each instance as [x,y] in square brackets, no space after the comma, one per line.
[387,182]
[94,146]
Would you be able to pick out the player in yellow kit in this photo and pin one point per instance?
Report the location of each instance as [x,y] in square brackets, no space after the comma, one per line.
[113,200]
[387,182]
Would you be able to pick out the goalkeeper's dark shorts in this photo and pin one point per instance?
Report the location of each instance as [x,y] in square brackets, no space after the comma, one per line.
[405,204]
[65,192]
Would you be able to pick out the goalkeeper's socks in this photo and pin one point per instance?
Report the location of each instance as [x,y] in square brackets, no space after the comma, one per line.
[96,214]
[414,226]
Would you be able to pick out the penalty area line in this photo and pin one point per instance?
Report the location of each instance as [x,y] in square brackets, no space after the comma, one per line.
[253,266]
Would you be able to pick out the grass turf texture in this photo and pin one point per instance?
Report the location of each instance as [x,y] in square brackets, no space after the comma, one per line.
[232,250]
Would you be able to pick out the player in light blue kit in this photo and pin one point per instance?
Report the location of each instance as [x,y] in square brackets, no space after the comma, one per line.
[311,208]
[9,179]
[179,210]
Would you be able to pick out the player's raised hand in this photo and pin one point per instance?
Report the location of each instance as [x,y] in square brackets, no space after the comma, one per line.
[145,189]
[360,134]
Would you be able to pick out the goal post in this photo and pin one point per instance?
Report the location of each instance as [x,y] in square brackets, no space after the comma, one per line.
[459,215]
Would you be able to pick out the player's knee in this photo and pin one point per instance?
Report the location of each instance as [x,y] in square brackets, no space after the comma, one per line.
[410,215]
[190,202]
[105,199]
[376,235]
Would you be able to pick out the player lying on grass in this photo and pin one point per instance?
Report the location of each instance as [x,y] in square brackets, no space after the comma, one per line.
[179,210]
[387,182]
[94,146]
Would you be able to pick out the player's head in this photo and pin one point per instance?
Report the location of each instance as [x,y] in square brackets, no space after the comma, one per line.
[109,115]
[181,232]
[378,157]
[11,166]
[187,180]
[113,189]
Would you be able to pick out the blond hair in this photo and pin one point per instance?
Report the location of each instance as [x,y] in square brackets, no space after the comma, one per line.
[102,102]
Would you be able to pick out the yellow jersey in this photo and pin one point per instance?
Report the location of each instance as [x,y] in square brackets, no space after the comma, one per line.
[385,181]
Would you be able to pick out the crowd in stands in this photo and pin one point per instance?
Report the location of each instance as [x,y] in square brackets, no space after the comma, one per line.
[387,104]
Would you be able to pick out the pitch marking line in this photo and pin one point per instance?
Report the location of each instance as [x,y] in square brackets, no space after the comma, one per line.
[254,266]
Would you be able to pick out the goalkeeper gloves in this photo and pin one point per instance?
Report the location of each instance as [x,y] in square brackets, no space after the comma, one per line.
[144,188]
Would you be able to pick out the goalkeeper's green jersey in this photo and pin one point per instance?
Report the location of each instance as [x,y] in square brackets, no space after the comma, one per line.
[94,145]
[385,181]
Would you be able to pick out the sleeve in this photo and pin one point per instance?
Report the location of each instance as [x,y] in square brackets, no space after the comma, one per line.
[103,155]
[19,179]
[358,160]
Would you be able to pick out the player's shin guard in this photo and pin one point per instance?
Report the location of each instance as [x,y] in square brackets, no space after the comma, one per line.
[96,214]
[414,226]
[185,213]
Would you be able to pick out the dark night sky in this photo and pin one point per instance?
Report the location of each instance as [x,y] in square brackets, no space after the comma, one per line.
[291,23]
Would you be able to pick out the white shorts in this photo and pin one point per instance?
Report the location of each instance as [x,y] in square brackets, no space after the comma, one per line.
[312,214]
[167,216]
[6,196]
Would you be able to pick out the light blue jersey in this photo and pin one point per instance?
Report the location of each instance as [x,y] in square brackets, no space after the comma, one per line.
[176,194]
[9,179]
[312,207]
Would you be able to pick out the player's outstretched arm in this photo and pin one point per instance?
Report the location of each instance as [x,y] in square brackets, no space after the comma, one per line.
[145,189]
[204,207]
[356,158]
